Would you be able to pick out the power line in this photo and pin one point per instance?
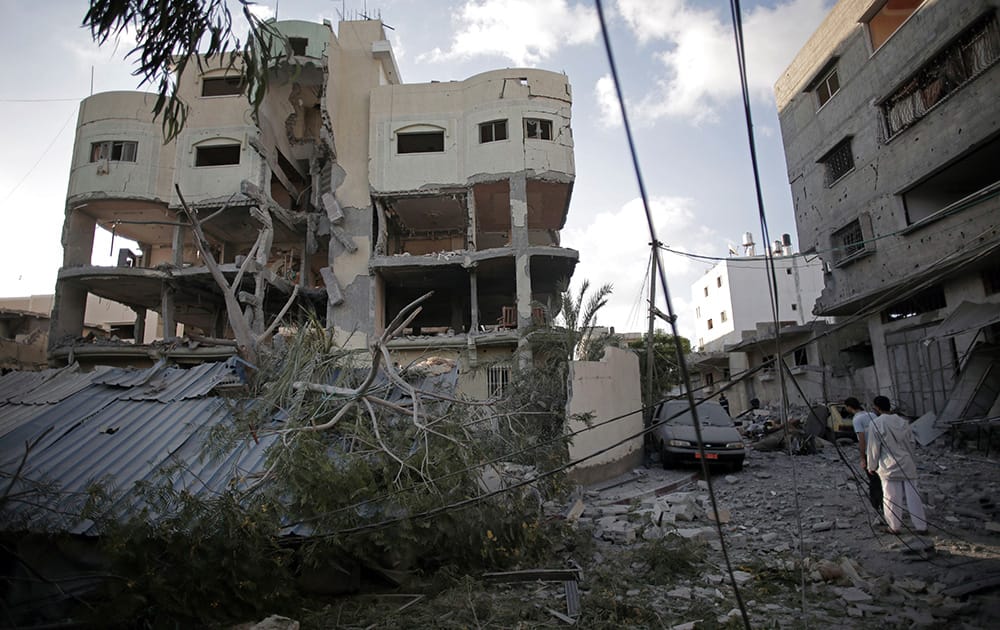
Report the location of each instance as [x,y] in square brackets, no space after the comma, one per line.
[39,160]
[685,377]
[40,100]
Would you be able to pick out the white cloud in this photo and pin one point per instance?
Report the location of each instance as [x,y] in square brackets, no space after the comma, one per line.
[607,102]
[398,48]
[261,11]
[699,57]
[614,248]
[524,31]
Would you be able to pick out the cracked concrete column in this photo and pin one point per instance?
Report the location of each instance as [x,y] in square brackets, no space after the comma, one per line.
[167,311]
[139,327]
[69,306]
[473,301]
[522,261]
[519,243]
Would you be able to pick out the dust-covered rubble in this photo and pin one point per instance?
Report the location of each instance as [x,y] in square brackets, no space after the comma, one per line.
[793,521]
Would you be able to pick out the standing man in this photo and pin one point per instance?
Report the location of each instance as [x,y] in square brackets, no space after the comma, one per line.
[890,453]
[862,421]
[724,402]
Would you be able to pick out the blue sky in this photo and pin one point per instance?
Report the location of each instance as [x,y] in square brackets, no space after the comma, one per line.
[676,59]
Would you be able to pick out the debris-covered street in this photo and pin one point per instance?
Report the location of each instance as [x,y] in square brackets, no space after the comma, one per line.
[647,554]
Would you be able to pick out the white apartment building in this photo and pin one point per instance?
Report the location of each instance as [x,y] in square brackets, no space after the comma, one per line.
[732,297]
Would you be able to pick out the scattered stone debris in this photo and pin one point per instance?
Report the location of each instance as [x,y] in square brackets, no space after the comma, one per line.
[648,552]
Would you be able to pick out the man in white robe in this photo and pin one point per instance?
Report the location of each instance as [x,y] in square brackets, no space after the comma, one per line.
[890,447]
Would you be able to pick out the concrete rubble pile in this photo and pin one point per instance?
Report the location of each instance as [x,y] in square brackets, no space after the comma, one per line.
[855,575]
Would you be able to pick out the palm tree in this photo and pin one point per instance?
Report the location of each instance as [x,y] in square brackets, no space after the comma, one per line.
[579,315]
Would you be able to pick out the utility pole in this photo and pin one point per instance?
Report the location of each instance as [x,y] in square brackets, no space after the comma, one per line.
[648,415]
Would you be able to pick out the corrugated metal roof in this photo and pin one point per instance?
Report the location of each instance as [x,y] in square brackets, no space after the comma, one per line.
[129,377]
[58,388]
[20,383]
[121,428]
[117,427]
[172,384]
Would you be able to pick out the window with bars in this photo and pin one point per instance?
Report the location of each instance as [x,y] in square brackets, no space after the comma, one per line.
[492,131]
[839,161]
[114,151]
[498,380]
[971,53]
[848,241]
[930,299]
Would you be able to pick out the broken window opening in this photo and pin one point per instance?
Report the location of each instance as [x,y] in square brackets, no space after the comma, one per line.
[801,357]
[767,362]
[888,18]
[710,324]
[114,151]
[839,161]
[538,128]
[795,307]
[420,142]
[991,280]
[217,155]
[723,316]
[848,241]
[498,380]
[927,300]
[963,183]
[446,313]
[492,131]
[828,86]
[706,291]
[298,45]
[221,86]
[975,50]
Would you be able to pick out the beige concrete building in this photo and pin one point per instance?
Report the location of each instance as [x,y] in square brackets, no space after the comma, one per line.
[892,139]
[378,191]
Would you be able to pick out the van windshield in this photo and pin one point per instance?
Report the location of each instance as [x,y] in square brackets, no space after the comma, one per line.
[709,413]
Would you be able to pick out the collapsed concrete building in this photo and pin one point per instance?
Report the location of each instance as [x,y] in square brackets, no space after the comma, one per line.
[892,139]
[376,192]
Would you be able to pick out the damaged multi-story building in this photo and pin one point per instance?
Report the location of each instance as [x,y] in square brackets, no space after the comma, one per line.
[892,139]
[376,191]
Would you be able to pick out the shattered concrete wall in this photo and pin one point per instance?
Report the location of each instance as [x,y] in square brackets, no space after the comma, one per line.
[607,389]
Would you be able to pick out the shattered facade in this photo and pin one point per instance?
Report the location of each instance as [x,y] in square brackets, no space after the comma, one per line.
[375,191]
[892,140]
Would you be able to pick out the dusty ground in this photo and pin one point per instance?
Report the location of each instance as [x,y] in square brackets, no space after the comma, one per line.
[649,557]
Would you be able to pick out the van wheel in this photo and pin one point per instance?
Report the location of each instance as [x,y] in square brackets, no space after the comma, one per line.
[665,458]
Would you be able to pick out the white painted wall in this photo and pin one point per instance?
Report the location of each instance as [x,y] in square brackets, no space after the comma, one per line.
[117,116]
[744,297]
[607,389]
[458,107]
